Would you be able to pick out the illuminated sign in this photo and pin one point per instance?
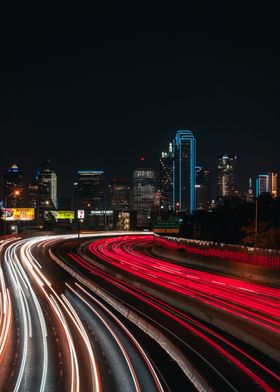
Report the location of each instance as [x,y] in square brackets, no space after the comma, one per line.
[167,226]
[166,231]
[57,215]
[21,214]
[101,212]
[81,214]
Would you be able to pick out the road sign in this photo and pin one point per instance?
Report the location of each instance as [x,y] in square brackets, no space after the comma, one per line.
[81,214]
[167,226]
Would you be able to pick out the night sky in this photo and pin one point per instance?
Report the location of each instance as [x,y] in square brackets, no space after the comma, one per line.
[96,92]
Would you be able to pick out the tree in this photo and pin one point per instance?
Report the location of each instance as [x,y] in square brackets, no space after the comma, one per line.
[268,235]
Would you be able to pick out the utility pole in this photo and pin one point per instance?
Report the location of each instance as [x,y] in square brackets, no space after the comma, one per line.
[78,225]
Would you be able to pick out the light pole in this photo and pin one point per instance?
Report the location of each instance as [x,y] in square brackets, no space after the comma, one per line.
[177,209]
[14,193]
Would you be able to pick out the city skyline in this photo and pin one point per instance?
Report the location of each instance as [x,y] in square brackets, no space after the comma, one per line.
[139,199]
[88,95]
[67,174]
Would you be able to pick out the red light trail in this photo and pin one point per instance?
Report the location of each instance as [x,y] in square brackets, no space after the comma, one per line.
[258,304]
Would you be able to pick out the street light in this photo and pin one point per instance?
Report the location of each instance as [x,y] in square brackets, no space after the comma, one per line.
[177,208]
[15,193]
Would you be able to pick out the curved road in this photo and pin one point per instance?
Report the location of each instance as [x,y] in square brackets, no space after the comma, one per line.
[59,335]
[102,313]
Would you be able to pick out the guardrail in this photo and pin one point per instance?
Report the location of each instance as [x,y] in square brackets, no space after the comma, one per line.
[265,258]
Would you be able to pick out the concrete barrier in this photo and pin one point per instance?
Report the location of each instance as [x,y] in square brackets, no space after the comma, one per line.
[184,363]
[176,251]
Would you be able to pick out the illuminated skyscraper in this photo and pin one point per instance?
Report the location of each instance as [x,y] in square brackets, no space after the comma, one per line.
[33,195]
[226,175]
[250,192]
[273,183]
[13,180]
[262,184]
[267,183]
[47,181]
[89,190]
[202,187]
[166,179]
[119,195]
[184,197]
[143,195]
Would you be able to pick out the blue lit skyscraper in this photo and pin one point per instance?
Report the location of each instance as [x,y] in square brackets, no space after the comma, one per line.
[184,198]
[267,183]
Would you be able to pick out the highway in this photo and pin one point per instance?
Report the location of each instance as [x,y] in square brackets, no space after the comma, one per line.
[67,337]
[257,305]
[102,313]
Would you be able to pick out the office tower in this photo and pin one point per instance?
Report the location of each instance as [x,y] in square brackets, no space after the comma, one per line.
[273,183]
[226,175]
[33,195]
[166,179]
[250,193]
[184,198]
[267,183]
[202,187]
[262,184]
[47,181]
[119,195]
[13,181]
[89,190]
[143,195]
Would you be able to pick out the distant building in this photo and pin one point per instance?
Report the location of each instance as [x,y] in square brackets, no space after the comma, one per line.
[89,190]
[273,184]
[166,179]
[143,195]
[119,195]
[267,183]
[262,184]
[202,188]
[250,192]
[33,195]
[13,181]
[226,175]
[47,180]
[184,195]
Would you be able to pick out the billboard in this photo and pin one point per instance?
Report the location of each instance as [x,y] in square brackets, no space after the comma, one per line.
[59,215]
[21,214]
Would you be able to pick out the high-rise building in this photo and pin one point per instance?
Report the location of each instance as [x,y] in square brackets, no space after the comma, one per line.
[267,183]
[184,197]
[47,181]
[262,184]
[250,192]
[166,179]
[89,190]
[273,183]
[13,181]
[143,195]
[119,195]
[226,175]
[33,195]
[202,187]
